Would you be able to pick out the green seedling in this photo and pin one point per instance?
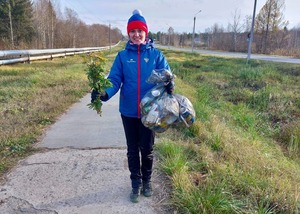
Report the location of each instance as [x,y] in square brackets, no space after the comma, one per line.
[97,79]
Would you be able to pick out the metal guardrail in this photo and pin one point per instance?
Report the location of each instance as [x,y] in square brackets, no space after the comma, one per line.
[17,56]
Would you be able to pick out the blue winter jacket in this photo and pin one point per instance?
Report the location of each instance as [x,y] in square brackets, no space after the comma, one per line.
[130,70]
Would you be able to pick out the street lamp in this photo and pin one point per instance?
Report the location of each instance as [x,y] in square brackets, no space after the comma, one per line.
[193,39]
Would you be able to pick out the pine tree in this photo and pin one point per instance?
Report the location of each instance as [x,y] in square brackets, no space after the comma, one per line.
[16,21]
[5,20]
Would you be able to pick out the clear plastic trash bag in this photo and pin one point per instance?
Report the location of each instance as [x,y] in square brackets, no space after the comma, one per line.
[160,76]
[161,110]
[187,112]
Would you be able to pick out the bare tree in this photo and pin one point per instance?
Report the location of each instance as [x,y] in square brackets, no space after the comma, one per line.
[171,36]
[51,24]
[293,45]
[268,22]
[217,37]
[247,23]
[295,38]
[71,25]
[45,22]
[235,28]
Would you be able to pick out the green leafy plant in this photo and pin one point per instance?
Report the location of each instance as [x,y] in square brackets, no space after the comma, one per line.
[97,80]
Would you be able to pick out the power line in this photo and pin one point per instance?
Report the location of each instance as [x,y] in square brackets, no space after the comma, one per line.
[91,17]
[78,4]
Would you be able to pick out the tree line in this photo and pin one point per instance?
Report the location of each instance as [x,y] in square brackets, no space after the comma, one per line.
[40,24]
[271,34]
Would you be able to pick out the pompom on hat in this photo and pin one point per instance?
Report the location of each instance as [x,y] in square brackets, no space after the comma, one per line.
[137,21]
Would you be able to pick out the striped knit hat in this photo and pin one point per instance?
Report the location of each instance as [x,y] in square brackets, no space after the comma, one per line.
[137,21]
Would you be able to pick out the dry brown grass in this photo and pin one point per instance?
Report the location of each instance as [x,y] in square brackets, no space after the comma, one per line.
[32,96]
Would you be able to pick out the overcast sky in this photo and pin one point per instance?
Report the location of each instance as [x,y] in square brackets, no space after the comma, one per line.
[178,14]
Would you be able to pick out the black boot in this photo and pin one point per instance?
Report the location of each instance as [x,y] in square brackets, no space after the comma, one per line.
[147,189]
[134,195]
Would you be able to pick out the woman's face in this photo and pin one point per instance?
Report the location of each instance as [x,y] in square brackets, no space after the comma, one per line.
[137,36]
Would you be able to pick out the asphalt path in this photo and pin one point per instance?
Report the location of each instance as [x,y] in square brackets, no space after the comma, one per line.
[81,127]
[239,55]
[82,169]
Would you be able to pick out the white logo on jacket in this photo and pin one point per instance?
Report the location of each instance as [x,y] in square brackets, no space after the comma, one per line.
[131,61]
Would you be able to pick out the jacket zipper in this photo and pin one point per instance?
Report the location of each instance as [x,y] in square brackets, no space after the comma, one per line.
[139,82]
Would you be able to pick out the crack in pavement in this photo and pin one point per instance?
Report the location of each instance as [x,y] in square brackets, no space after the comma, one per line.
[15,205]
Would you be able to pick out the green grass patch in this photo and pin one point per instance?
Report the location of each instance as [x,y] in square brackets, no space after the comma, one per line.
[245,138]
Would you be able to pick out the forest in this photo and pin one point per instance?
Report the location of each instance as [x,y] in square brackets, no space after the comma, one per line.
[40,24]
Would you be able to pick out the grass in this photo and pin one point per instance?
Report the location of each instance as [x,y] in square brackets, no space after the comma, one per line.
[240,156]
[32,97]
[245,140]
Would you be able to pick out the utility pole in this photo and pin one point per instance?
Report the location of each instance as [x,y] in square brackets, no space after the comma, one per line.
[251,34]
[11,28]
[193,38]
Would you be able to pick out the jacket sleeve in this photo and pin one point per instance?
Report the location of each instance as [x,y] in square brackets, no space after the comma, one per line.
[162,62]
[115,76]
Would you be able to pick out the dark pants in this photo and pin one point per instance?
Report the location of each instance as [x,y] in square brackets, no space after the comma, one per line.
[140,140]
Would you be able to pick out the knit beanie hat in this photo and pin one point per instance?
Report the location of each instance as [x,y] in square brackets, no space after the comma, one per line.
[137,21]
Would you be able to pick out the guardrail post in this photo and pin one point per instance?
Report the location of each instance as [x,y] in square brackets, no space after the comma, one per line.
[29,61]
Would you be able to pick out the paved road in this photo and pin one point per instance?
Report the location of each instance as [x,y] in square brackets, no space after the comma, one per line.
[240,55]
[83,169]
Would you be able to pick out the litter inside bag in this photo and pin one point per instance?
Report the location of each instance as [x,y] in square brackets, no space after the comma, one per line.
[161,110]
[187,112]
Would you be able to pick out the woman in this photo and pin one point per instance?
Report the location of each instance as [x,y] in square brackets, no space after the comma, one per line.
[129,72]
